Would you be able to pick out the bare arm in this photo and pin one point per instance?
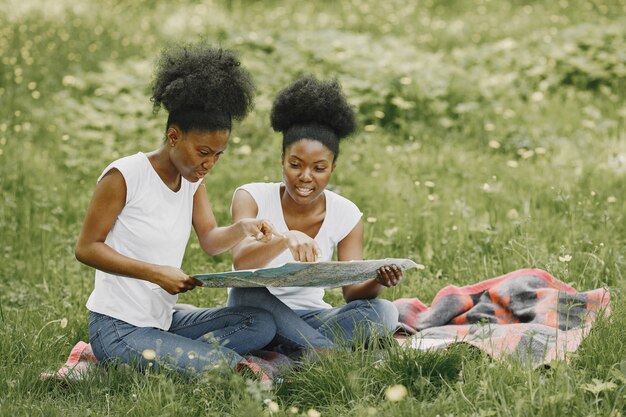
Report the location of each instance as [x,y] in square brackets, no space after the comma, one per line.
[106,204]
[250,254]
[351,249]
[214,239]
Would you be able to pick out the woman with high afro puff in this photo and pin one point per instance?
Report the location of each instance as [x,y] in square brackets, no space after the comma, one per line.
[139,221]
[313,117]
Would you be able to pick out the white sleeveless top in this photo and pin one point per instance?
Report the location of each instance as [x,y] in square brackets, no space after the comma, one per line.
[342,215]
[154,226]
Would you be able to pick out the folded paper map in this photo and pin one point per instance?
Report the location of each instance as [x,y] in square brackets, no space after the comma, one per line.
[304,274]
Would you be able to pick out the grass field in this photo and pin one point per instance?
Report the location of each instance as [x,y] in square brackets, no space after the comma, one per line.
[492,137]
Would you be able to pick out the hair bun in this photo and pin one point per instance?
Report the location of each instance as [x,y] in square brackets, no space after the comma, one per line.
[199,77]
[311,101]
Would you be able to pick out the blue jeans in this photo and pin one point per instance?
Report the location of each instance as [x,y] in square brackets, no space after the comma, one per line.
[291,330]
[197,340]
[358,320]
[355,322]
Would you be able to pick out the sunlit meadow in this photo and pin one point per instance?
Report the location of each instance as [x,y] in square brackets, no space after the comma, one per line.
[492,137]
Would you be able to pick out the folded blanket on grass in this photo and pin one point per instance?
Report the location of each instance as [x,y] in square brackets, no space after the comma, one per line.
[78,364]
[527,314]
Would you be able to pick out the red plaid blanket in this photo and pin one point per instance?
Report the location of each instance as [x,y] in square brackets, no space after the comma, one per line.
[527,314]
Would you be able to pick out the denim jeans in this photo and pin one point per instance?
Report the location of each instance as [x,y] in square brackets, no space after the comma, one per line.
[355,322]
[197,340]
[321,328]
[291,330]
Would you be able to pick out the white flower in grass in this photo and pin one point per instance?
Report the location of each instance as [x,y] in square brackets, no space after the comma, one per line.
[149,354]
[508,114]
[494,144]
[63,323]
[611,199]
[313,413]
[369,128]
[294,410]
[372,219]
[396,392]
[68,80]
[272,406]
[245,150]
[512,214]
[536,96]
[565,258]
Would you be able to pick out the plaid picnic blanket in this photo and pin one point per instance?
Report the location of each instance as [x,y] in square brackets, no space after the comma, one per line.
[527,314]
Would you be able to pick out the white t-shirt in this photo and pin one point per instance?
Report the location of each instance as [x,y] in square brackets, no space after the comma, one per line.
[342,215]
[154,226]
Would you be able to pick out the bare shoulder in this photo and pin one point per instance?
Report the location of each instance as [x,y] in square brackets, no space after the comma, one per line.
[111,188]
[244,205]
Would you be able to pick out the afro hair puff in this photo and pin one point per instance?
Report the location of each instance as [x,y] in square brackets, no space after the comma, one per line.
[311,101]
[201,78]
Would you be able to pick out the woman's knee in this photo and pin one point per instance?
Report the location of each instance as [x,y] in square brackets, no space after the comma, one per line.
[381,311]
[262,323]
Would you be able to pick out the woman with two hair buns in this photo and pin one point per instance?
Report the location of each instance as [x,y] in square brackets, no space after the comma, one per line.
[313,116]
[139,221]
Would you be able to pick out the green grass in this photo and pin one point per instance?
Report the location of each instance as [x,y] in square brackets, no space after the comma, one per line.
[492,137]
